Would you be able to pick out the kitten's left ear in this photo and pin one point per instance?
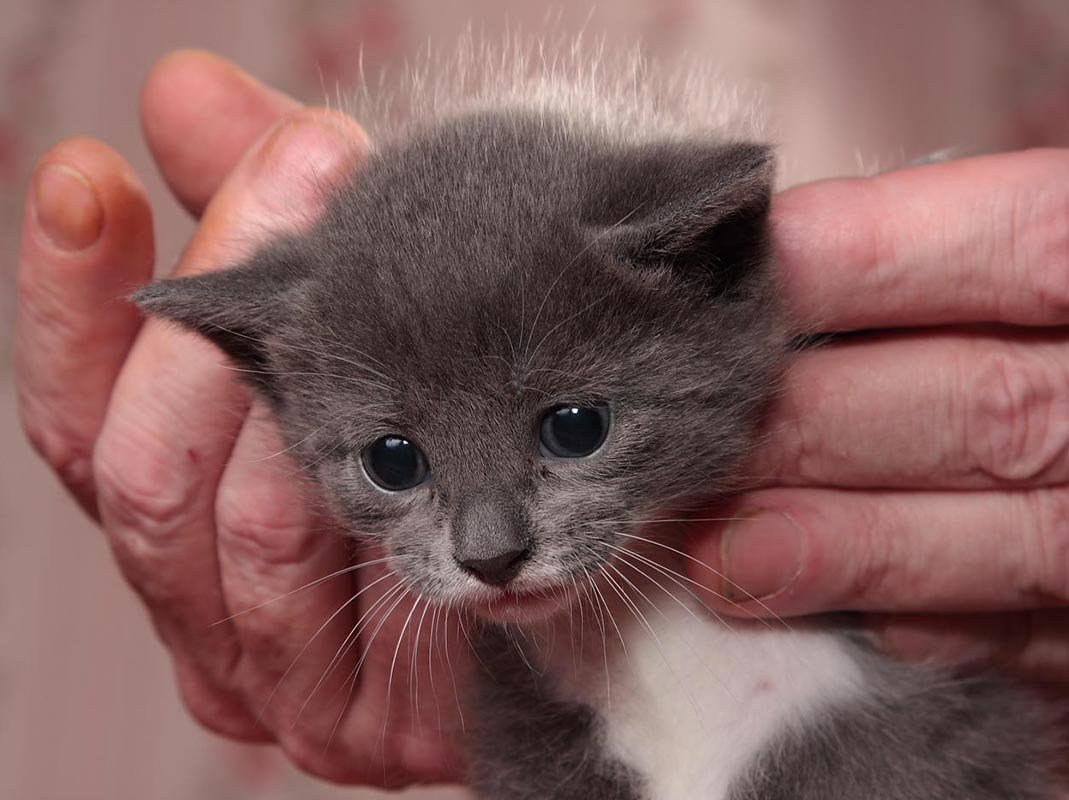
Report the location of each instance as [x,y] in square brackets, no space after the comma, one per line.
[234,308]
[700,209]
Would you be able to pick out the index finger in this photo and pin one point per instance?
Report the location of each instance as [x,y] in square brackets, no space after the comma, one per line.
[977,240]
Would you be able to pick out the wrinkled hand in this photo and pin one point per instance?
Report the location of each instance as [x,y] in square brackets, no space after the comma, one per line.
[927,464]
[922,470]
[185,474]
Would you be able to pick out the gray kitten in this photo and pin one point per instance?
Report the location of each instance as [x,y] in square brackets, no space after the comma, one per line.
[523,341]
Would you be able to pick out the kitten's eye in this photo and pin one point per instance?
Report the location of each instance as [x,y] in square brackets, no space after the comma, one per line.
[574,431]
[393,463]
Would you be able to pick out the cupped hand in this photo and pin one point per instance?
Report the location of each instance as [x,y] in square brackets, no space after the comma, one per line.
[184,471]
[918,474]
[920,471]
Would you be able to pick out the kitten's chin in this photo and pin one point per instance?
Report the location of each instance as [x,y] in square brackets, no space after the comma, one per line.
[521,606]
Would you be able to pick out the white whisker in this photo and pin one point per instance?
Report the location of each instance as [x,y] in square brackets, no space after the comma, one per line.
[715,572]
[347,645]
[309,585]
[413,690]
[308,644]
[393,666]
[354,675]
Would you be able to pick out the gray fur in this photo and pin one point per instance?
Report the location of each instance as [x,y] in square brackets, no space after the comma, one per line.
[449,294]
[493,265]
[919,734]
[533,745]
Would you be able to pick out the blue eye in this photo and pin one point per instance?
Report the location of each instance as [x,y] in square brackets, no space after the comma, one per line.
[574,431]
[394,463]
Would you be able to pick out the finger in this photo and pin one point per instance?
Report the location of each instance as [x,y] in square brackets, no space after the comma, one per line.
[975,240]
[286,583]
[306,615]
[86,242]
[406,686]
[934,409]
[1033,645]
[200,113]
[176,408]
[800,551]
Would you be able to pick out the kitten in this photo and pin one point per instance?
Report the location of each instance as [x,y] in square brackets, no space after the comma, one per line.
[519,344]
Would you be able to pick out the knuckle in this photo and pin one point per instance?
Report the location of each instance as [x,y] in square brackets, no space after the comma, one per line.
[353,746]
[1013,637]
[263,637]
[46,310]
[68,455]
[143,486]
[268,530]
[1010,432]
[219,712]
[327,759]
[797,450]
[1047,235]
[1042,567]
[877,569]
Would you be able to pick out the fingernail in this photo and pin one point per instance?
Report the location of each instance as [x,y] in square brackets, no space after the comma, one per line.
[761,555]
[66,206]
[944,647]
[966,642]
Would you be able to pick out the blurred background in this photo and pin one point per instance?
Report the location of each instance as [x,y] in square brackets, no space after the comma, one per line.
[87,705]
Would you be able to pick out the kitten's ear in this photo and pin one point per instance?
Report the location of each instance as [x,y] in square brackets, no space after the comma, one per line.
[234,308]
[700,209]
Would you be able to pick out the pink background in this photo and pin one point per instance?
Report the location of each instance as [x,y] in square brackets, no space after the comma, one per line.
[87,706]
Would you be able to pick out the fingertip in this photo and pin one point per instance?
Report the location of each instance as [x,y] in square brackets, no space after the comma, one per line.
[86,240]
[281,184]
[91,155]
[311,145]
[200,113]
[189,70]
[66,206]
[754,561]
[316,143]
[963,641]
[88,217]
[761,555]
[350,134]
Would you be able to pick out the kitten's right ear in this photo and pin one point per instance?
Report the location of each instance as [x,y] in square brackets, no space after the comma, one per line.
[698,208]
[234,308]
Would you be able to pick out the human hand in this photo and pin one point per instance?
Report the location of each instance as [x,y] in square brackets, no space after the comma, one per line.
[920,473]
[205,522]
[183,470]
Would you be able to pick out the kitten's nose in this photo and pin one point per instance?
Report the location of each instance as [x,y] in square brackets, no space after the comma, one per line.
[499,569]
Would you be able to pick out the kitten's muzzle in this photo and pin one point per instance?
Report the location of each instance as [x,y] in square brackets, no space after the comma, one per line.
[490,539]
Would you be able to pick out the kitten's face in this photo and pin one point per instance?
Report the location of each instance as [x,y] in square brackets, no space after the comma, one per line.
[544,418]
[500,383]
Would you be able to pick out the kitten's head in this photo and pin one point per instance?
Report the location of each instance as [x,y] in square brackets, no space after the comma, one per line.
[508,344]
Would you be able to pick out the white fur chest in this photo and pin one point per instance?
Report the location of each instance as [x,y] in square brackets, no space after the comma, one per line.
[691,702]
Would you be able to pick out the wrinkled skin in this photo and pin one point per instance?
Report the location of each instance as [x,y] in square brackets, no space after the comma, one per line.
[157,441]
